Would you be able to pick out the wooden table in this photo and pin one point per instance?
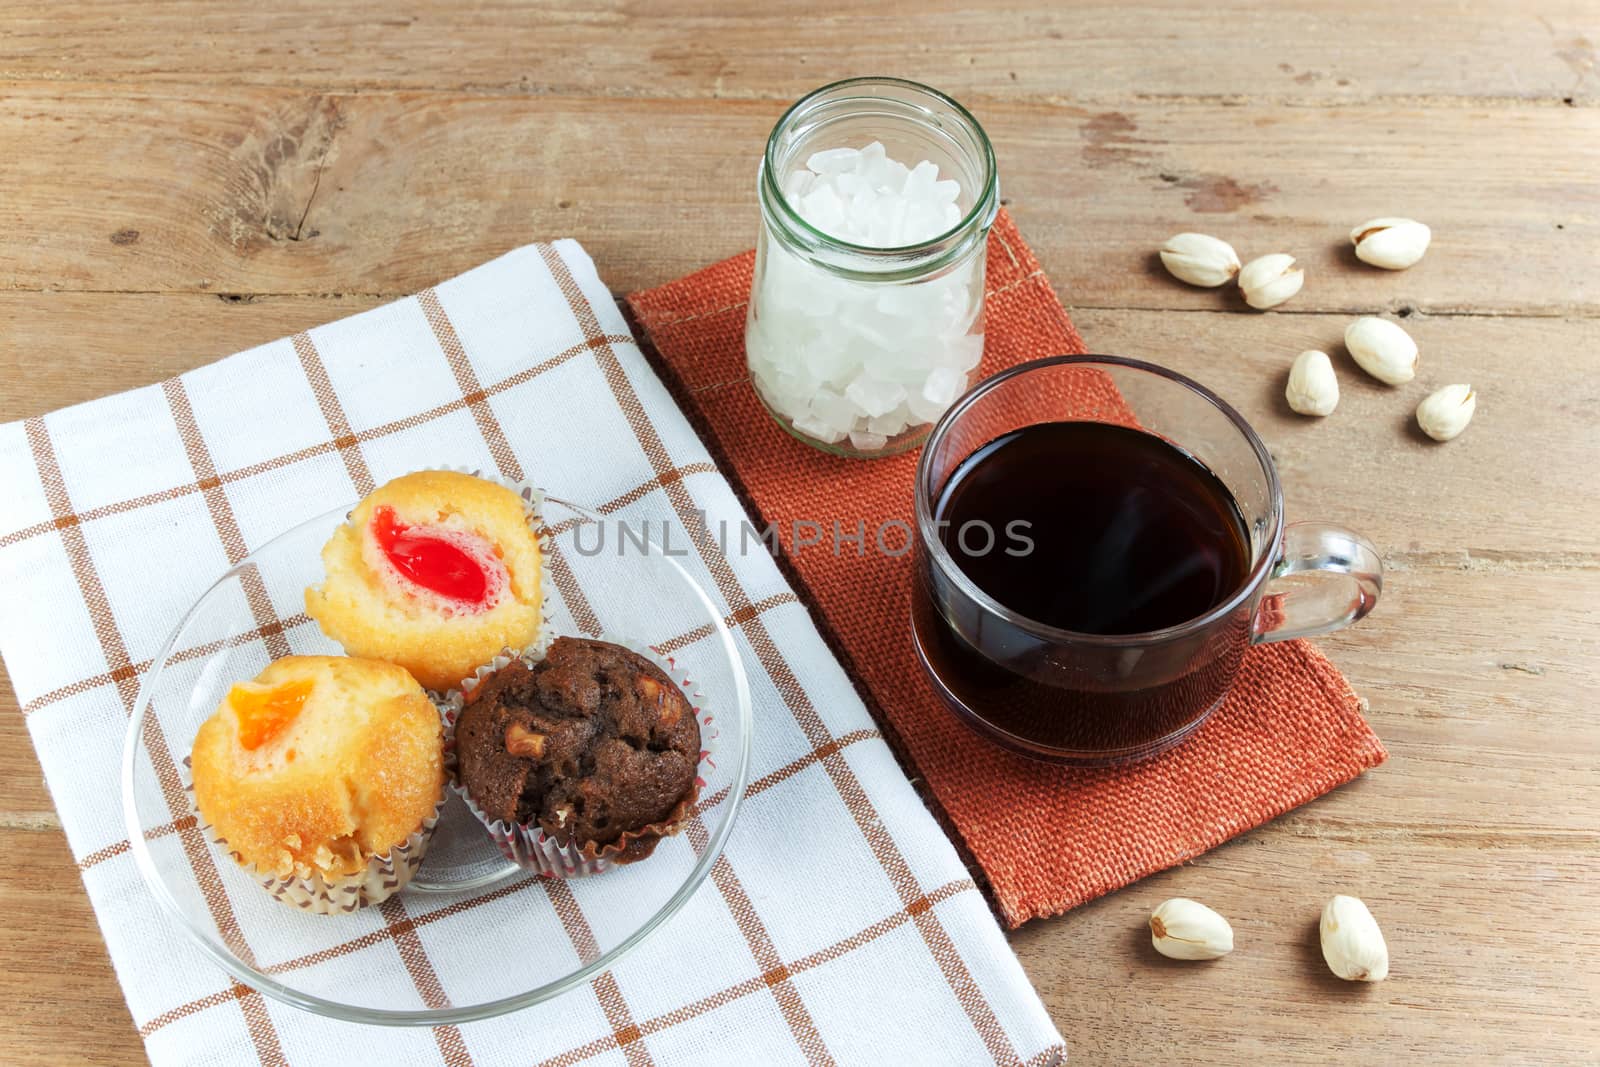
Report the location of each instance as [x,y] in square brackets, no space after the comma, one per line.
[178,182]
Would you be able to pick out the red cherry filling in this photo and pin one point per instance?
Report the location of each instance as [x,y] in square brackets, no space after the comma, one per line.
[430,561]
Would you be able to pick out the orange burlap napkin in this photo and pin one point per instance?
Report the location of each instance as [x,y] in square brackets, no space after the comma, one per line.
[1045,838]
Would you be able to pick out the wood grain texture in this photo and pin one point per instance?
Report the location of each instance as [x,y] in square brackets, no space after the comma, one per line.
[185,180]
[243,191]
[63,1005]
[1298,50]
[1461,990]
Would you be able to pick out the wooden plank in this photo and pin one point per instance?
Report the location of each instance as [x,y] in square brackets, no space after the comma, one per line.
[25,803]
[63,1004]
[1296,50]
[1480,684]
[269,190]
[1474,977]
[1366,465]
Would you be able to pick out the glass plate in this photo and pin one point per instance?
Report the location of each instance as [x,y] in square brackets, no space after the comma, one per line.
[496,938]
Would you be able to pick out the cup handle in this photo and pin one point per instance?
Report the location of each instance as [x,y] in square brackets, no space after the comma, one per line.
[1349,576]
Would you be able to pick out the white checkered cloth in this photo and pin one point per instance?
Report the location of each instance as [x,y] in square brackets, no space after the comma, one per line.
[116,514]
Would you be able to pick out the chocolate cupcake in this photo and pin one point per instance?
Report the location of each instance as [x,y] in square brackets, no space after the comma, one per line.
[593,749]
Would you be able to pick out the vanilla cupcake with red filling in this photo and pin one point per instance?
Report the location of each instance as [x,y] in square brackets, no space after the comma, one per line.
[436,572]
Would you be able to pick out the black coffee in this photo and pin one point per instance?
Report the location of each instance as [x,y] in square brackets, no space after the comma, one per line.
[1094,528]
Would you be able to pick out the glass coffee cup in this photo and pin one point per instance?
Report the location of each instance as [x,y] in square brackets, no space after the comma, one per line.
[1098,541]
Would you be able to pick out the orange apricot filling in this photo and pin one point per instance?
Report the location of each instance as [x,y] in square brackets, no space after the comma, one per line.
[266,713]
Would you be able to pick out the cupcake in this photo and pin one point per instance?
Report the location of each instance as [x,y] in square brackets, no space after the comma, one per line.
[436,572]
[324,776]
[592,751]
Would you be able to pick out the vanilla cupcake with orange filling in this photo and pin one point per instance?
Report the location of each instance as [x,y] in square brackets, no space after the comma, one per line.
[324,776]
[435,571]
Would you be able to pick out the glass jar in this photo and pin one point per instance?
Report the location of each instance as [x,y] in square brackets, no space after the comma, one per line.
[865,319]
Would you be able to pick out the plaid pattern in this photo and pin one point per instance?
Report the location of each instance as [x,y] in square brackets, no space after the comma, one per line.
[839,925]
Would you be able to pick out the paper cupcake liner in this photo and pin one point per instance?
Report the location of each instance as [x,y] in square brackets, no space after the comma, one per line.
[528,845]
[383,877]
